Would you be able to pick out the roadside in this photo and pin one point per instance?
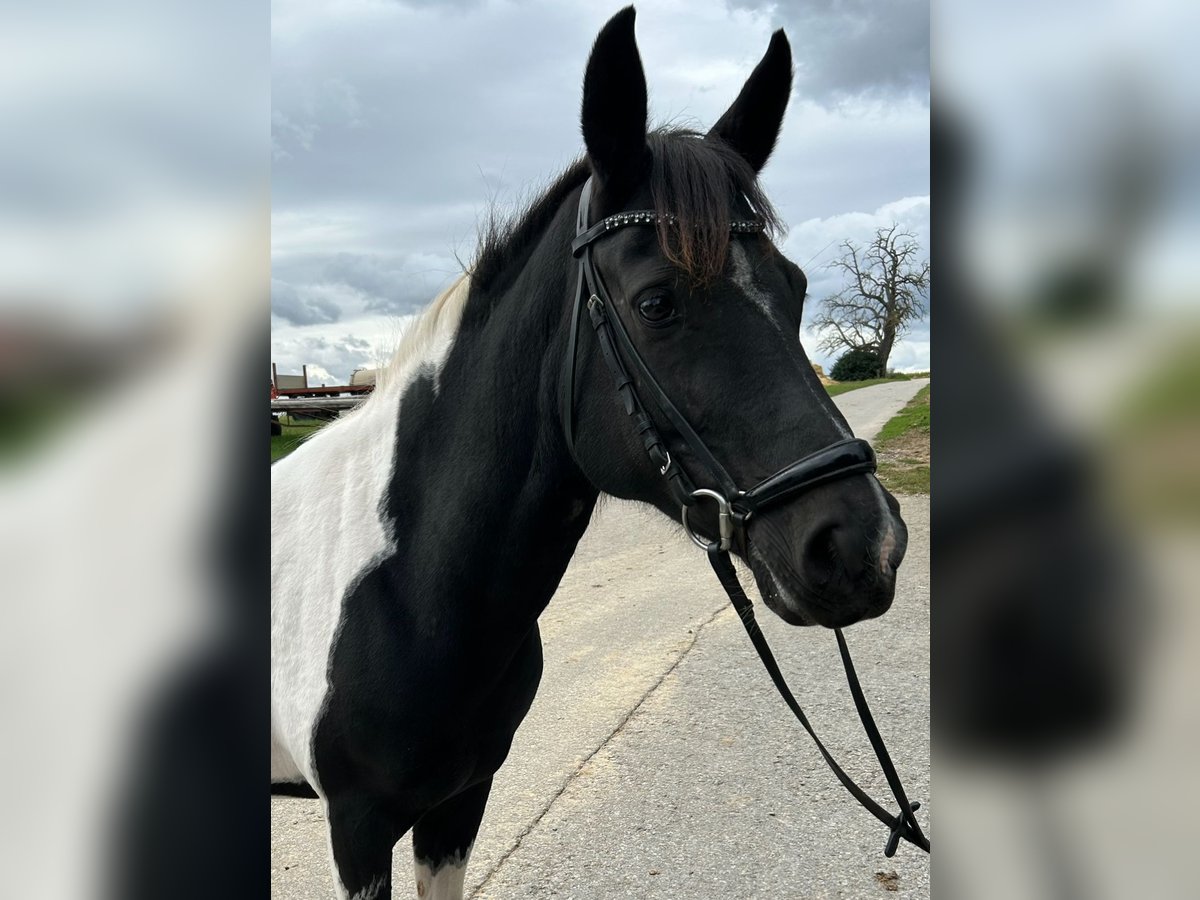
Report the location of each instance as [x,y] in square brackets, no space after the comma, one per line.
[834,388]
[293,434]
[902,448]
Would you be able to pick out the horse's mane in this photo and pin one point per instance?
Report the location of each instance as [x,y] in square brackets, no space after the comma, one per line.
[698,180]
[503,240]
[437,324]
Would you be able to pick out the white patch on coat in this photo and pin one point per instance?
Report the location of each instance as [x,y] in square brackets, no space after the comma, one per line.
[446,883]
[327,530]
[372,891]
[743,277]
[283,767]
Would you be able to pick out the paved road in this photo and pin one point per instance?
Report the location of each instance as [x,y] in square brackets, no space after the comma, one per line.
[868,409]
[657,760]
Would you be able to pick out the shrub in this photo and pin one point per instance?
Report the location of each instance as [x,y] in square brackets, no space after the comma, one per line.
[856,365]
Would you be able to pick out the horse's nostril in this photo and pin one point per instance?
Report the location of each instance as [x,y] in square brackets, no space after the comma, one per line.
[835,551]
[821,553]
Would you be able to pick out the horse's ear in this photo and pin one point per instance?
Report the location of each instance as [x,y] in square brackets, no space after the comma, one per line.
[751,125]
[614,104]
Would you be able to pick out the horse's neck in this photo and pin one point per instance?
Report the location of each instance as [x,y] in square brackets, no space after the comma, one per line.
[481,466]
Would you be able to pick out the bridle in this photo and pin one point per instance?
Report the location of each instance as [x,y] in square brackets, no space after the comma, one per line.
[735,507]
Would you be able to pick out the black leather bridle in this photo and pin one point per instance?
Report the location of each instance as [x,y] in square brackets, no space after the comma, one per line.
[735,507]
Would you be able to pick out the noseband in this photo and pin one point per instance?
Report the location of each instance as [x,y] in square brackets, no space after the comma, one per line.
[735,507]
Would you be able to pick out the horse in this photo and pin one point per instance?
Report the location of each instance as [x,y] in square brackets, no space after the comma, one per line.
[416,540]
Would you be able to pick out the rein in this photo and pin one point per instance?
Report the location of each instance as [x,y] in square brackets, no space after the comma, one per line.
[735,507]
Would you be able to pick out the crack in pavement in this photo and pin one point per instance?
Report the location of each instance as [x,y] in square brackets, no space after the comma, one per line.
[529,829]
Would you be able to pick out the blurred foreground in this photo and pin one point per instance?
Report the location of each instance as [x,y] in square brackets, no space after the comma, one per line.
[134,266]
[1067,496]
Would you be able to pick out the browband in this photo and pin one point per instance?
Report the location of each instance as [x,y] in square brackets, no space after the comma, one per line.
[647,217]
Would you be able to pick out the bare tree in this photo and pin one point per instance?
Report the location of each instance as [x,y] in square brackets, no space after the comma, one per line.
[886,289]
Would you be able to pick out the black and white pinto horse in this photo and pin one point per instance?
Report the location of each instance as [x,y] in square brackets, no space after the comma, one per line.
[416,541]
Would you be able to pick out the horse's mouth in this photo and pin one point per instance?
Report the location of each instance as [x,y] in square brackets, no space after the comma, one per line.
[778,599]
[787,594]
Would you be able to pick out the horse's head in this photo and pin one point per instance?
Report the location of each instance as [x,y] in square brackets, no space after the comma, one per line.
[715,315]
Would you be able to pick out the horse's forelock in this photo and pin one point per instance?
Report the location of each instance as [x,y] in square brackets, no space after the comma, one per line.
[699,181]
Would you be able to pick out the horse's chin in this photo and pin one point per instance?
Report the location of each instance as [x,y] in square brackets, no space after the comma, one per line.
[786,595]
[779,597]
[791,615]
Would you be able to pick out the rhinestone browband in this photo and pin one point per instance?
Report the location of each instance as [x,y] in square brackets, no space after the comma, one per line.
[645,217]
[648,217]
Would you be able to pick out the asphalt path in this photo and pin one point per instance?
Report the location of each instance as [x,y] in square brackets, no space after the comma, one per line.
[657,760]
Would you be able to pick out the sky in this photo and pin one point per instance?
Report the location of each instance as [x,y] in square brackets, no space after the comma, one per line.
[397,126]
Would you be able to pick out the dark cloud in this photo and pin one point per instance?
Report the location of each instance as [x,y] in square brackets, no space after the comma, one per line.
[316,287]
[289,305]
[847,48]
[389,285]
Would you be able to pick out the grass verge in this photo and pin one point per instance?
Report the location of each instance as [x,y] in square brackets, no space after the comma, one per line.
[1150,445]
[32,419]
[293,434]
[902,447]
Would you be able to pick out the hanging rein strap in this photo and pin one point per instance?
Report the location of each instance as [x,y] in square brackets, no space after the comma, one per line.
[904,825]
[735,506]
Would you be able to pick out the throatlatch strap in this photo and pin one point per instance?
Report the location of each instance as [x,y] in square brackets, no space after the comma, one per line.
[566,396]
[904,825]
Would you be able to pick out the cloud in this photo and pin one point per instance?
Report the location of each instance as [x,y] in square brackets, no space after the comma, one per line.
[288,304]
[331,358]
[319,375]
[397,125]
[316,287]
[390,284]
[814,243]
[332,102]
[850,48]
[910,355]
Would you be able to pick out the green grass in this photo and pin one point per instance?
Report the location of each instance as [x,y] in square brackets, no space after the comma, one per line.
[293,434]
[31,419]
[1167,395]
[905,479]
[841,387]
[902,448]
[914,415]
[1151,440]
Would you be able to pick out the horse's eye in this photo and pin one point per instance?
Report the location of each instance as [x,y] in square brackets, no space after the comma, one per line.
[656,309]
